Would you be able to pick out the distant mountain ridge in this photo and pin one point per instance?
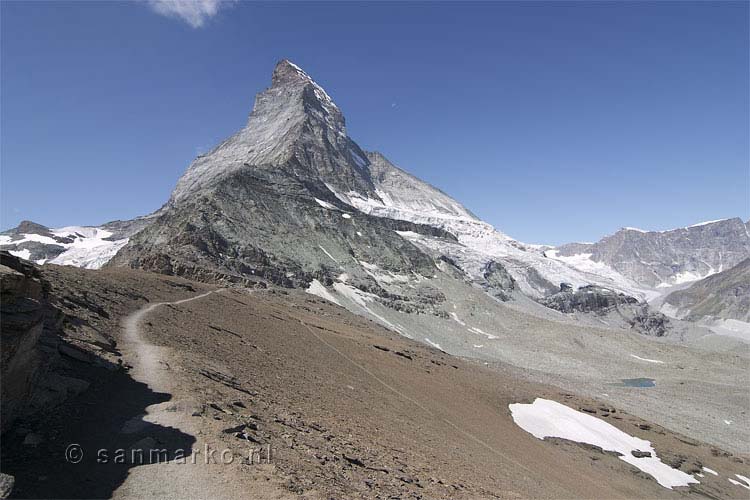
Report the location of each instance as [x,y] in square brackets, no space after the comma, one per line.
[657,259]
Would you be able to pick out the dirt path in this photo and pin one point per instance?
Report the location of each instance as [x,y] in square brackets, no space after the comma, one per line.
[148,360]
[197,477]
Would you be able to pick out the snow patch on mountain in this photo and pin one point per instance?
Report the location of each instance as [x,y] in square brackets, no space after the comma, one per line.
[83,246]
[317,288]
[23,254]
[325,204]
[544,418]
[401,196]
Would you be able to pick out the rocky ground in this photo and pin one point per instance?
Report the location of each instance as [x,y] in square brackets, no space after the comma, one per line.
[347,408]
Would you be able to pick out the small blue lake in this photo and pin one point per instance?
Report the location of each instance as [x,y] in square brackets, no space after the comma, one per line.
[637,382]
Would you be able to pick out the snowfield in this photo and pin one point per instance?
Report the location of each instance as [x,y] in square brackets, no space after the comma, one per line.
[544,418]
[90,247]
[404,197]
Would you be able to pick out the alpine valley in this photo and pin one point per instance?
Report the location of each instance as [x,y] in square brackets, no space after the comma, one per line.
[291,204]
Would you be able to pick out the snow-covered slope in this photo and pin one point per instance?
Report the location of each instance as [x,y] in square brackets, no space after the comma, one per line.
[87,247]
[401,196]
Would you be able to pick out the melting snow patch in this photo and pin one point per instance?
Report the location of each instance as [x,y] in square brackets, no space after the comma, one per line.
[346,216]
[710,471]
[745,481]
[474,329]
[362,299]
[328,254]
[544,418]
[646,359]
[317,288]
[433,344]
[455,317]
[325,204]
[21,254]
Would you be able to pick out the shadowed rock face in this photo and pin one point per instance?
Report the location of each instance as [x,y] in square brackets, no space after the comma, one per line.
[22,323]
[655,257]
[628,311]
[586,299]
[723,295]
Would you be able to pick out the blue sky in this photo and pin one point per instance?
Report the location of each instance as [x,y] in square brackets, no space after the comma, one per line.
[553,121]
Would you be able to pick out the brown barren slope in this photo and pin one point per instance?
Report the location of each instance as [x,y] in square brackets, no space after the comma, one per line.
[348,409]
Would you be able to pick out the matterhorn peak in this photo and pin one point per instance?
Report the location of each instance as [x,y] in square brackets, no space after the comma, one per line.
[294,118]
[287,72]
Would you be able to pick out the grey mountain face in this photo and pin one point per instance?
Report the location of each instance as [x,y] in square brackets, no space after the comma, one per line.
[263,204]
[670,257]
[724,295]
[295,130]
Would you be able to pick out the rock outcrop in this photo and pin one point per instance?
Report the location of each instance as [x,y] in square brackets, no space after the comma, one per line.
[499,282]
[587,299]
[621,309]
[22,307]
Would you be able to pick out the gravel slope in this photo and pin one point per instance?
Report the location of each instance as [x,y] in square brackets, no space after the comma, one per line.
[348,408]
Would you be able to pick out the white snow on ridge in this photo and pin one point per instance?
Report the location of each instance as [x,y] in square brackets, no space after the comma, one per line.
[544,418]
[474,329]
[707,222]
